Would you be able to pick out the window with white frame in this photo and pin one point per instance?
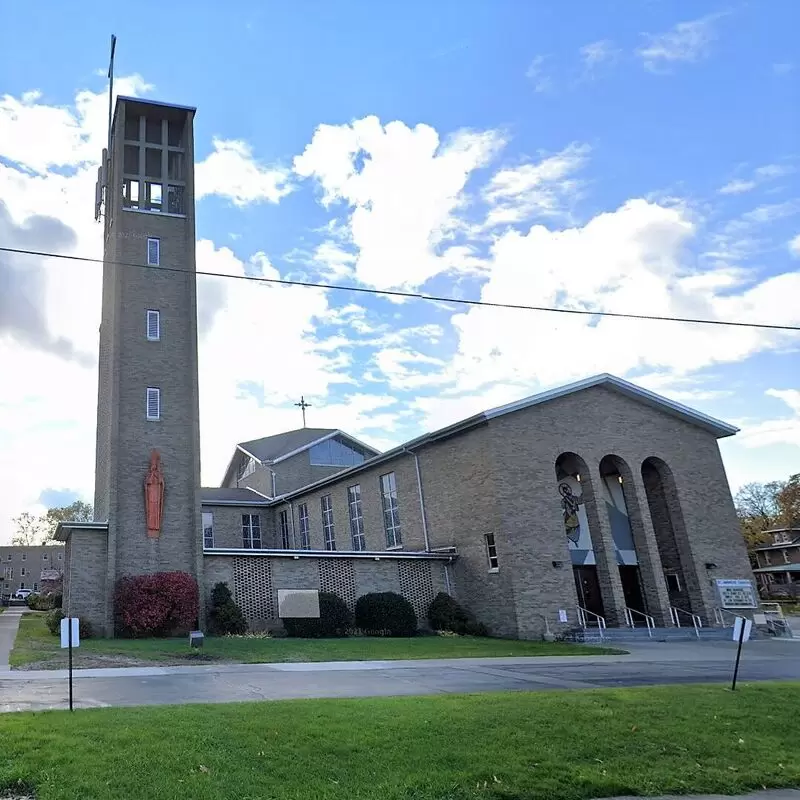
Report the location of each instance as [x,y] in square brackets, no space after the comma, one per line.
[251,531]
[491,552]
[60,556]
[786,558]
[45,556]
[391,514]
[208,529]
[286,537]
[9,573]
[767,558]
[153,403]
[153,325]
[357,537]
[247,466]
[154,164]
[673,582]
[24,556]
[328,531]
[153,252]
[35,587]
[302,515]
[22,572]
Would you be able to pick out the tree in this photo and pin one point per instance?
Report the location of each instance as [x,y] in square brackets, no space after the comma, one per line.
[33,530]
[761,506]
[75,512]
[30,529]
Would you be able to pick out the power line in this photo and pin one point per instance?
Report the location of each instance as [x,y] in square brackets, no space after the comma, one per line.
[415,295]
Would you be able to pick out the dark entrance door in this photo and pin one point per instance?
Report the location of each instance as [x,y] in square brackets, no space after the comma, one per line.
[588,587]
[632,589]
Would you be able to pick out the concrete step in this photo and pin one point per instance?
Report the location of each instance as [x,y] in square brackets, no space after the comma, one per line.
[592,635]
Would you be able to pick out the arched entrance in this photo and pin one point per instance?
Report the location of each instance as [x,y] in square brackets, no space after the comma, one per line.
[575,492]
[668,525]
[613,471]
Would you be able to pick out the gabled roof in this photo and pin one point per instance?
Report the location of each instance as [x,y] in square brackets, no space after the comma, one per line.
[279,446]
[269,448]
[712,425]
[213,496]
[715,426]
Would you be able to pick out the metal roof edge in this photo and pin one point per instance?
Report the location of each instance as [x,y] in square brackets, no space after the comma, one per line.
[718,427]
[373,555]
[63,529]
[128,99]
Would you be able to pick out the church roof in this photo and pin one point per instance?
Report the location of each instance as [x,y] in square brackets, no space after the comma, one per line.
[270,448]
[213,496]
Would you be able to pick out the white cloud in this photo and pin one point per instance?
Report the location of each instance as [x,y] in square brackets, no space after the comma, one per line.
[794,246]
[634,258]
[686,42]
[780,430]
[542,189]
[402,187]
[231,171]
[738,187]
[761,175]
[597,53]
[538,76]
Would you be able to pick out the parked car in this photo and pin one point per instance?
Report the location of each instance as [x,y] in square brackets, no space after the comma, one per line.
[22,594]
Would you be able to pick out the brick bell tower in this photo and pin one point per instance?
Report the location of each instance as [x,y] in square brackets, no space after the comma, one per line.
[148,383]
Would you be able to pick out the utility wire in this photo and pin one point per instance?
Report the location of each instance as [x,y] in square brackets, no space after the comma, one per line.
[414,295]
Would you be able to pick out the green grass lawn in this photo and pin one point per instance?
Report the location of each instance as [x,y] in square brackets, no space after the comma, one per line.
[556,745]
[35,646]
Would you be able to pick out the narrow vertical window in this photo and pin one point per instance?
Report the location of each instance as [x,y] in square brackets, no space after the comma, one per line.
[491,552]
[208,529]
[251,531]
[391,514]
[305,539]
[153,403]
[356,517]
[153,325]
[153,250]
[329,534]
[286,541]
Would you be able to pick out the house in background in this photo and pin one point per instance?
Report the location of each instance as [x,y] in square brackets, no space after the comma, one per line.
[38,568]
[778,563]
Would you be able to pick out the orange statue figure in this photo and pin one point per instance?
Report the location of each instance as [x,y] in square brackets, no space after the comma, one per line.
[154,495]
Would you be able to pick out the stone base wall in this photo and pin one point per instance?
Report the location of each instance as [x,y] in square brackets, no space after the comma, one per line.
[85,569]
[255,580]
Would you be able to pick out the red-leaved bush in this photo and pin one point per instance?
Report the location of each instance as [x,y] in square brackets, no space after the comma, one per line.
[161,604]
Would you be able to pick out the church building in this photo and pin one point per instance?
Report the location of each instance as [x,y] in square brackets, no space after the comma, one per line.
[595,504]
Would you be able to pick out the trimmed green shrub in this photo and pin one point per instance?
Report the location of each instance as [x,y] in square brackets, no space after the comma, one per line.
[447,614]
[385,614]
[224,616]
[335,619]
[53,621]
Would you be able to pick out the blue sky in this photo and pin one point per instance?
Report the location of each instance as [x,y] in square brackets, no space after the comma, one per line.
[620,156]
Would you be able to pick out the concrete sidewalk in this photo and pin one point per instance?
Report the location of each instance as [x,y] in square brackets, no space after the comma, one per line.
[225,683]
[769,794]
[9,624]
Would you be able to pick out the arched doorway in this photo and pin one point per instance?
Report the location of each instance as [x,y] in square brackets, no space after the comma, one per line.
[575,491]
[613,492]
[665,513]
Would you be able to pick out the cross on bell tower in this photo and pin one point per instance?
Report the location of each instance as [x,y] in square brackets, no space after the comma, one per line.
[302,405]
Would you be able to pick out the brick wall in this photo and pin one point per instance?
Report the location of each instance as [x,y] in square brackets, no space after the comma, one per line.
[86,593]
[228,524]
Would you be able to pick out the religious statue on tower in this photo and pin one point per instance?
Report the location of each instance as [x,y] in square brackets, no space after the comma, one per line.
[154,495]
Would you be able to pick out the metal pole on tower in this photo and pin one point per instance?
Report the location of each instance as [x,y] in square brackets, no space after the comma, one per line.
[111,87]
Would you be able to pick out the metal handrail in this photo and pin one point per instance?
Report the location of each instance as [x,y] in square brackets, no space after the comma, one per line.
[601,622]
[675,613]
[651,621]
[719,617]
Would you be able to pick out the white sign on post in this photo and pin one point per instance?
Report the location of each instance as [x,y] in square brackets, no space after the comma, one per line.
[562,615]
[65,623]
[737,629]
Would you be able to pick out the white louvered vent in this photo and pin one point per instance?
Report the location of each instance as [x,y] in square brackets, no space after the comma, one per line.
[153,252]
[153,403]
[153,325]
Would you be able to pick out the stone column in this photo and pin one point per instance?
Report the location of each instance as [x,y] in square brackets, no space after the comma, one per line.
[654,583]
[603,544]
